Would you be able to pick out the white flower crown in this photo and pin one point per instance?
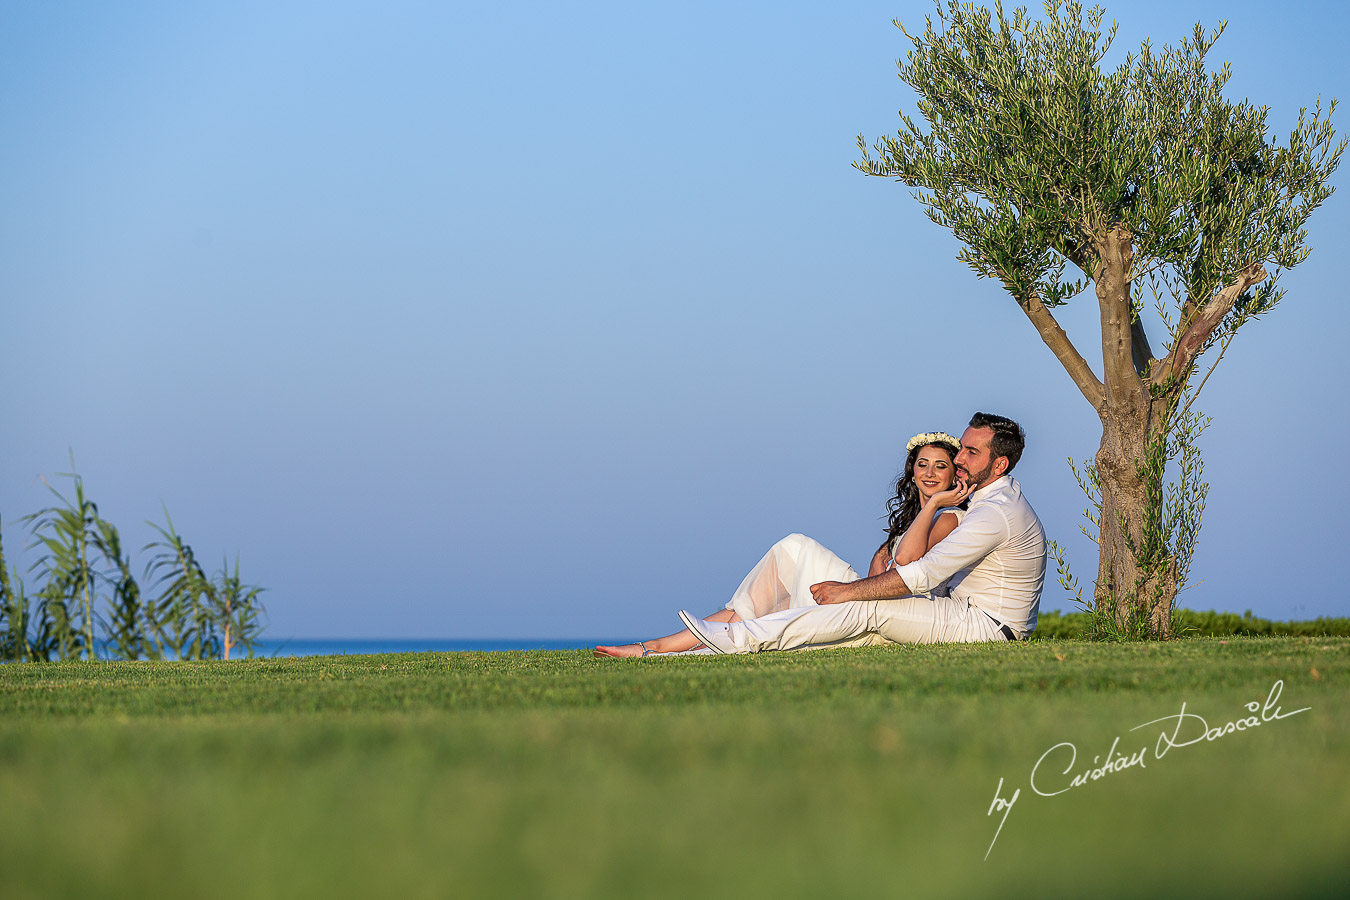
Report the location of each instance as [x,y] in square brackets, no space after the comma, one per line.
[933,437]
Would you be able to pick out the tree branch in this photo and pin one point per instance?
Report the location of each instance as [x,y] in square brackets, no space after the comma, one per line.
[1172,374]
[1143,353]
[1076,253]
[1058,341]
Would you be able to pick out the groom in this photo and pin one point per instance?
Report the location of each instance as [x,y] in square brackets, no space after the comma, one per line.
[995,559]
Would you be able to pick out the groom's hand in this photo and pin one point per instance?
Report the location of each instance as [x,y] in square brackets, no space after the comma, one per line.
[885,586]
[829,592]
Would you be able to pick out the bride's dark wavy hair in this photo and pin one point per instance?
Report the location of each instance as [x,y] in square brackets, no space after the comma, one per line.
[904,507]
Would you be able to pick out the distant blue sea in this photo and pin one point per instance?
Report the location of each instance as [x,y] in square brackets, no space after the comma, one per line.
[356,646]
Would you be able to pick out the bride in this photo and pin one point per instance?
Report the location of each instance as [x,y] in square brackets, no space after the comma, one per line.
[926,507]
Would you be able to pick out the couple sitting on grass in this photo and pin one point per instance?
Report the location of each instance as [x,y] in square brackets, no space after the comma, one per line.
[964,560]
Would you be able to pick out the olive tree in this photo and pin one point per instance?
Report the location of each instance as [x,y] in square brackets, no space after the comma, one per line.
[1141,181]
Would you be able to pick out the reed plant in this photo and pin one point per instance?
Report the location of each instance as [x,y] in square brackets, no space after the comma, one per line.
[196,616]
[68,537]
[89,604]
[179,618]
[14,615]
[238,610]
[126,634]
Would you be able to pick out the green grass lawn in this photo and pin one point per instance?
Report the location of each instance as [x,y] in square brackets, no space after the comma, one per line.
[840,773]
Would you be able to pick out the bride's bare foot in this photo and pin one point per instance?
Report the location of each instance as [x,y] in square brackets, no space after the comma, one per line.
[621,651]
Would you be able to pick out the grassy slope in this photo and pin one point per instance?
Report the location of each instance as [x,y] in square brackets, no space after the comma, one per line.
[790,775]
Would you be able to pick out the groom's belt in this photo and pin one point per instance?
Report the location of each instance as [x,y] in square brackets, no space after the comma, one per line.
[1007,632]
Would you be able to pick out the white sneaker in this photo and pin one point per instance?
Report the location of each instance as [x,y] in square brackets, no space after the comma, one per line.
[712,634]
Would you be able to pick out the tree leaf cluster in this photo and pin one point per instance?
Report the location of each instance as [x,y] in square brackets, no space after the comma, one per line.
[1033,152]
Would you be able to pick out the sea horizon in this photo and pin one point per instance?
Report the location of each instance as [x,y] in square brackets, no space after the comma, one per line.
[269,647]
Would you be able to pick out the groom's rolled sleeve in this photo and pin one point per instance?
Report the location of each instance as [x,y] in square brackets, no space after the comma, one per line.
[976,537]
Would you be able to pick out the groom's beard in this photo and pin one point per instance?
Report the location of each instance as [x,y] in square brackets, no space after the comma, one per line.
[980,479]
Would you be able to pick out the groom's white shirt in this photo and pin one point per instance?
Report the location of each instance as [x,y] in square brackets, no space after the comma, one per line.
[995,558]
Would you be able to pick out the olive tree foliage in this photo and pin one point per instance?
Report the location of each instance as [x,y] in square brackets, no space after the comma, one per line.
[1142,182]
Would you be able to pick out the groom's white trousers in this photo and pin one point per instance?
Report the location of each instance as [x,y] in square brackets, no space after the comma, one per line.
[907,620]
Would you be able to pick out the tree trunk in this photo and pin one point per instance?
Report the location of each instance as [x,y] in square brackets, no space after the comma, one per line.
[1136,574]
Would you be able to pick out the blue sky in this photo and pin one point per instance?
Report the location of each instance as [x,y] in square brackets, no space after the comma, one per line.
[545,320]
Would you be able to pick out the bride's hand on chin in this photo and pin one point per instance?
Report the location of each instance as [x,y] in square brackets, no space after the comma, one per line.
[954,495]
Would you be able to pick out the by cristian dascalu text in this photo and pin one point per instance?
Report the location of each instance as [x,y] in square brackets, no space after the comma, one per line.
[1050,776]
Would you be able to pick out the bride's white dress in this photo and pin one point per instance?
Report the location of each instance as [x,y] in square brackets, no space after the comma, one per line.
[783,578]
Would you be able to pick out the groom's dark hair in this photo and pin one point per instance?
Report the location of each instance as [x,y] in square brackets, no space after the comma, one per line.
[1009,440]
